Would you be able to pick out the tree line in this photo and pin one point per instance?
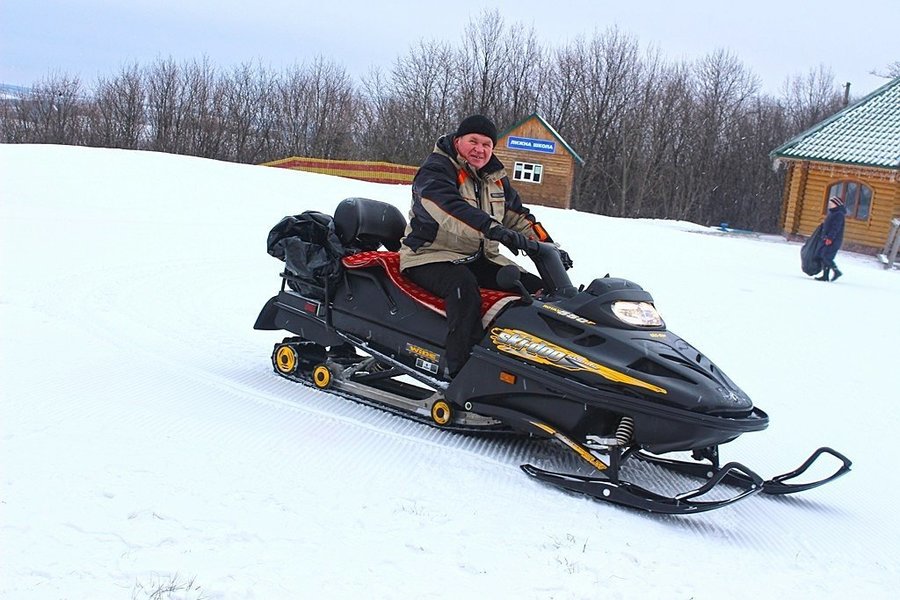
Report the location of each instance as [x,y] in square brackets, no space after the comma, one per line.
[660,138]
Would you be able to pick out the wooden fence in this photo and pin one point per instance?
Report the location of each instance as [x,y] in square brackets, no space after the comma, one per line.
[376,172]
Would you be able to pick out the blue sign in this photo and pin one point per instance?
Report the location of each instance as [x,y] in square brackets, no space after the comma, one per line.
[531,144]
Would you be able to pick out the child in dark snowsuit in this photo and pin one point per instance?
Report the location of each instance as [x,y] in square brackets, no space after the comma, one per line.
[832,237]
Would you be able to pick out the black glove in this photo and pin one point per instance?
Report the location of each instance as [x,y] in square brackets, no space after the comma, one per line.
[566,259]
[513,240]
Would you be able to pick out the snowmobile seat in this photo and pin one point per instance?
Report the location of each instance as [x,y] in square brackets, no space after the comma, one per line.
[492,301]
[364,224]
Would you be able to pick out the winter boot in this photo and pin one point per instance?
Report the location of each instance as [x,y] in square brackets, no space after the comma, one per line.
[824,275]
[837,273]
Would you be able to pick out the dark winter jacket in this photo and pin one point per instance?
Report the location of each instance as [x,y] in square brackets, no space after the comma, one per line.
[832,229]
[453,207]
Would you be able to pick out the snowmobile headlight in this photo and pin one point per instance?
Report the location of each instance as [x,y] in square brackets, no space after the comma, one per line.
[641,314]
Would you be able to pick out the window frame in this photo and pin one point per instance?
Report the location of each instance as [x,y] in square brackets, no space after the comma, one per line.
[521,167]
[856,194]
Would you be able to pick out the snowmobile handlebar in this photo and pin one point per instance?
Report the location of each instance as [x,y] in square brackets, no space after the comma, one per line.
[547,259]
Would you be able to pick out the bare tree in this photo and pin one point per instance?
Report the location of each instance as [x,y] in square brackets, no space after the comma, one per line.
[203,109]
[250,119]
[165,89]
[119,110]
[379,110]
[892,71]
[647,135]
[604,75]
[526,77]
[722,89]
[317,111]
[415,106]
[810,98]
[53,112]
[482,65]
[754,188]
[556,102]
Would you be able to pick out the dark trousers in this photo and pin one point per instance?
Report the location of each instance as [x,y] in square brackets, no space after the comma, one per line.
[458,285]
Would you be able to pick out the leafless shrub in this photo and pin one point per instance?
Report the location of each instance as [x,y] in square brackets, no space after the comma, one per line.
[167,587]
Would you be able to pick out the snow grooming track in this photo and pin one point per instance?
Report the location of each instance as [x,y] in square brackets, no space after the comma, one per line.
[137,328]
[262,385]
[137,335]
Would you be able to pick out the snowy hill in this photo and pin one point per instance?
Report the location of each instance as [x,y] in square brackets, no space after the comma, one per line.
[146,443]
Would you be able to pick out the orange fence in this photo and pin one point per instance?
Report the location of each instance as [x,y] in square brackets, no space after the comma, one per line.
[376,172]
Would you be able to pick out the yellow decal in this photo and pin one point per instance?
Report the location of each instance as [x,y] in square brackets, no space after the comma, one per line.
[423,353]
[524,345]
[578,448]
[568,314]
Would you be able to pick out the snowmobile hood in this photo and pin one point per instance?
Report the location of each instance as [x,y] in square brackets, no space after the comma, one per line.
[582,338]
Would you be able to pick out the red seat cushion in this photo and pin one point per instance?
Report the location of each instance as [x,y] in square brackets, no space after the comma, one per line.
[491,300]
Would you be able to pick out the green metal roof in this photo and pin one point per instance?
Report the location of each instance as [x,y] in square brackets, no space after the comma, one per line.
[866,133]
[551,130]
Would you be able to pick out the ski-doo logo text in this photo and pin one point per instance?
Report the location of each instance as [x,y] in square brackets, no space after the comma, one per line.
[525,345]
[517,342]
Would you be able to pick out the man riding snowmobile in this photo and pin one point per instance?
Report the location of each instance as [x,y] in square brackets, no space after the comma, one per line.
[463,207]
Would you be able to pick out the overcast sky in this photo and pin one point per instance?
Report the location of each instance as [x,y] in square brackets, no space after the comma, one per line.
[773,38]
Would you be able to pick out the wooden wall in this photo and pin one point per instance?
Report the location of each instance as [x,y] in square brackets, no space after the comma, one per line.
[807,185]
[557,181]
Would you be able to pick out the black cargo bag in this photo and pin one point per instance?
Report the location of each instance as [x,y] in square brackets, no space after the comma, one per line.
[810,261]
[311,250]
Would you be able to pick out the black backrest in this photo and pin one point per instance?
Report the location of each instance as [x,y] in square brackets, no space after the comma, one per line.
[367,224]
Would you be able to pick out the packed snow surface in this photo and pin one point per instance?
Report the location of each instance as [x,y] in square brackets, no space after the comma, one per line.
[147,447]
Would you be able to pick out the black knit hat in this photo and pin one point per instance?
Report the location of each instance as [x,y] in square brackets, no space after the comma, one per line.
[836,200]
[477,124]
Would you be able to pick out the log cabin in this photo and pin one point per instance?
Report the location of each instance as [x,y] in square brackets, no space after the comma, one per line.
[855,155]
[540,164]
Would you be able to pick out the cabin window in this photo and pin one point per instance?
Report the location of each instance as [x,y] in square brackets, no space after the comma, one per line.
[528,172]
[857,198]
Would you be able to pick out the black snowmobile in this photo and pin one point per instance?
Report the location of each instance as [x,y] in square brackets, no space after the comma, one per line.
[594,367]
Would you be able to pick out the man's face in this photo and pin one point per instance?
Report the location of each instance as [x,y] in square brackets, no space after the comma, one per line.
[475,149]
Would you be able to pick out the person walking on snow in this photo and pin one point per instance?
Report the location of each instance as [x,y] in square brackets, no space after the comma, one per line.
[832,238]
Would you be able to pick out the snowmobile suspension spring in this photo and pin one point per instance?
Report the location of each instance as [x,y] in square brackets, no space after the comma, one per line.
[625,431]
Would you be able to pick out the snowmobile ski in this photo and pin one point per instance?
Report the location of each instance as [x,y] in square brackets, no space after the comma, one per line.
[634,496]
[609,487]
